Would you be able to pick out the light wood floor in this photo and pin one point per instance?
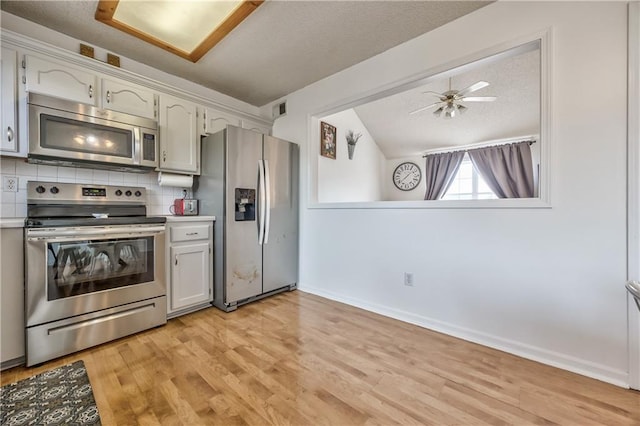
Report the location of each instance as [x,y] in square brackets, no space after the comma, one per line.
[300,359]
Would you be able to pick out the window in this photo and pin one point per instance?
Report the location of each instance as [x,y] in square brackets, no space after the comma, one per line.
[468,184]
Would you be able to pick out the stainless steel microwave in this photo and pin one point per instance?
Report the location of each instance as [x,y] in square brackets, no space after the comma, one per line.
[73,134]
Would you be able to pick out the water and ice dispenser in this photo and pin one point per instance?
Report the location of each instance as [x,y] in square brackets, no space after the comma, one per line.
[245,204]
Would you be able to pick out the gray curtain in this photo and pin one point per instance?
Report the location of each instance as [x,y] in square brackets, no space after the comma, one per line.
[507,169]
[439,173]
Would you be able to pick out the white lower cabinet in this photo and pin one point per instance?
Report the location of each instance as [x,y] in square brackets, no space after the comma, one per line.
[190,265]
[12,297]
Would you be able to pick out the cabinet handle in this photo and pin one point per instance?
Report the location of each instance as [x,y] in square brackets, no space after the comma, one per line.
[192,233]
[164,156]
[108,96]
[90,91]
[9,134]
[204,122]
[176,259]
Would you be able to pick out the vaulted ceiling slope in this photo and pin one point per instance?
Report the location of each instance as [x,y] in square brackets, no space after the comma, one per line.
[280,48]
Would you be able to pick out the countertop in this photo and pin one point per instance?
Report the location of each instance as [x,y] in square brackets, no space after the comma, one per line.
[18,222]
[12,222]
[171,218]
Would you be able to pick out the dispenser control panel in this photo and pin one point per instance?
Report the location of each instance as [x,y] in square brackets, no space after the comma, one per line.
[245,204]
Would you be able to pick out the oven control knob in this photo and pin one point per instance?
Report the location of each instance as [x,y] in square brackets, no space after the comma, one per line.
[128,193]
[118,192]
[54,190]
[138,194]
[40,189]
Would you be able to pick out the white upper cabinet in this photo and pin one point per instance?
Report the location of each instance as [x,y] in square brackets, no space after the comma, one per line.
[179,136]
[213,121]
[60,80]
[9,97]
[256,127]
[129,98]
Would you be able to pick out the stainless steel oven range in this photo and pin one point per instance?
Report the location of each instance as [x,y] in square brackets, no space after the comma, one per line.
[94,267]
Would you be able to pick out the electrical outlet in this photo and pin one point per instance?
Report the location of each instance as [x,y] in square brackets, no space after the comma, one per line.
[408,279]
[9,184]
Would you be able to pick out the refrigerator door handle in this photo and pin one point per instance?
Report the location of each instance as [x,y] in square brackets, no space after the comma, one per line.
[262,202]
[267,184]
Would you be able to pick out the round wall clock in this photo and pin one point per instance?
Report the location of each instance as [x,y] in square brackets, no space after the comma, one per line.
[407,176]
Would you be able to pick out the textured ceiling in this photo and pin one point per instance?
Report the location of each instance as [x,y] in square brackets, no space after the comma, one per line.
[514,80]
[280,48]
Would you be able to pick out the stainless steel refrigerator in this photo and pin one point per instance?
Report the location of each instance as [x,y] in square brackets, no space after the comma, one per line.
[249,181]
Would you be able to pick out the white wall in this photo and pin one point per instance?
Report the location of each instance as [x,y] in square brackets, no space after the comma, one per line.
[544,283]
[359,179]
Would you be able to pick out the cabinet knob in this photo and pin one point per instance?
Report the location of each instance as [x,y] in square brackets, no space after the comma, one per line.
[9,134]
[108,96]
[91,91]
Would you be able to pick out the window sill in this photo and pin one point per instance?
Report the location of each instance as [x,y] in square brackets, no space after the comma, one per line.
[520,203]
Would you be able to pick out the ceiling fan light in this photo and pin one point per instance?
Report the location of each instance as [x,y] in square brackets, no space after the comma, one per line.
[438,112]
[461,108]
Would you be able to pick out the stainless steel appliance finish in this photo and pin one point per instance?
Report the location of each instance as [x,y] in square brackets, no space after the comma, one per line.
[250,181]
[72,134]
[95,268]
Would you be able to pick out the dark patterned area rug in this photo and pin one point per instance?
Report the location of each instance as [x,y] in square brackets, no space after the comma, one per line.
[61,396]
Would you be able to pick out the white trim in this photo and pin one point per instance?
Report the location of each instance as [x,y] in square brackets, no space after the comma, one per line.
[545,138]
[544,356]
[633,197]
[514,203]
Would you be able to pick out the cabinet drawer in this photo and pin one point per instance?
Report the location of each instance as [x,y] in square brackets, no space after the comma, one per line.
[189,233]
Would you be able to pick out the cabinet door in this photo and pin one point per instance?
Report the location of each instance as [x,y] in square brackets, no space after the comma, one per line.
[178,135]
[189,275]
[9,96]
[128,98]
[213,121]
[62,81]
[11,295]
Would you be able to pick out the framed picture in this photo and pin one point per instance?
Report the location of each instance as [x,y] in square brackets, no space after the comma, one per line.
[327,140]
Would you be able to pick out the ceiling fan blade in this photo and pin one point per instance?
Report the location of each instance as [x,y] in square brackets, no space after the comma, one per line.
[423,108]
[478,99]
[475,86]
[429,92]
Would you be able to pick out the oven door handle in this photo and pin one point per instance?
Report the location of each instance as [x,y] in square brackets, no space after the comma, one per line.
[94,234]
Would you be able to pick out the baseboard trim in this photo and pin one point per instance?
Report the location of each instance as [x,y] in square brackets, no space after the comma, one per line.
[16,362]
[544,356]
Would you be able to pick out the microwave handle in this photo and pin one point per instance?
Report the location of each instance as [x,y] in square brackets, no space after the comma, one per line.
[137,148]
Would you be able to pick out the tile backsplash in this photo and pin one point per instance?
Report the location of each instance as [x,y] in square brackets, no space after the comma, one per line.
[14,204]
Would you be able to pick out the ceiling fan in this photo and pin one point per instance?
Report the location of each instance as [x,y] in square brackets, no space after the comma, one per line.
[450,101]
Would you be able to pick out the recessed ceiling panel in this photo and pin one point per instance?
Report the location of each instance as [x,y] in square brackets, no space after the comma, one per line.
[188,28]
[183,24]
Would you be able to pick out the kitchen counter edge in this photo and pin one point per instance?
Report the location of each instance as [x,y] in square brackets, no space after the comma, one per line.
[189,218]
[11,222]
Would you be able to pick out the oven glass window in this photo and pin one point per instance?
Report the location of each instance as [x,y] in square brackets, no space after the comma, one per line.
[80,136]
[88,266]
